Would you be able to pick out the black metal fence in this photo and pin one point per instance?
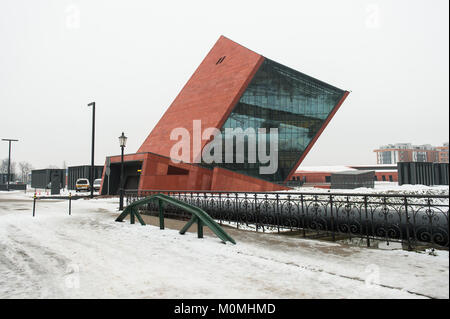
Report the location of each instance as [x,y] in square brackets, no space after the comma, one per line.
[411,219]
[13,187]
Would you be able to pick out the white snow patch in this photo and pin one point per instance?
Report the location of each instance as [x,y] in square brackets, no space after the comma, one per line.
[88,255]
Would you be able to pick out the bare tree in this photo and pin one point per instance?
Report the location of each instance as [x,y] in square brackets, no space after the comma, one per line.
[4,167]
[25,170]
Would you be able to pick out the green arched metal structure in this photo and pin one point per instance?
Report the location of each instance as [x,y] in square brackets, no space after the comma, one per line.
[199,216]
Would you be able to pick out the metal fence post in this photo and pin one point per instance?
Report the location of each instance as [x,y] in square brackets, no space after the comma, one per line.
[70,204]
[278,213]
[34,203]
[236,210]
[367,221]
[256,211]
[220,209]
[332,218]
[161,214]
[407,223]
[303,216]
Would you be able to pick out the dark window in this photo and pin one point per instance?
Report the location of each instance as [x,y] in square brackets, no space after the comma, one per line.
[279,97]
[390,178]
[220,60]
[327,179]
[384,178]
[386,157]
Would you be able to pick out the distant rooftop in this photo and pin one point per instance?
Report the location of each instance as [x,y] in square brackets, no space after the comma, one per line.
[343,168]
[409,146]
[336,168]
[354,172]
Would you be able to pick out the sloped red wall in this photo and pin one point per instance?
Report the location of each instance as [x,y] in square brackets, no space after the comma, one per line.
[209,95]
[226,180]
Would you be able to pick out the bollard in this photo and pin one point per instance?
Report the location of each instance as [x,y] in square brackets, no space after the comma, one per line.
[70,203]
[34,203]
[161,214]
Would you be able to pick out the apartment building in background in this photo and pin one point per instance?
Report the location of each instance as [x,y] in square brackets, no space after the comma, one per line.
[443,153]
[406,152]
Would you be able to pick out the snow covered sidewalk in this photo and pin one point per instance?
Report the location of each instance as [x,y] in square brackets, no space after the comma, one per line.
[88,255]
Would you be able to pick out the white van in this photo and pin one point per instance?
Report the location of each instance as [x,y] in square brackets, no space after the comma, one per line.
[82,184]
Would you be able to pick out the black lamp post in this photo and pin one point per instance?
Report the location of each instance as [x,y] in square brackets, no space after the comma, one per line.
[91,180]
[123,143]
[9,160]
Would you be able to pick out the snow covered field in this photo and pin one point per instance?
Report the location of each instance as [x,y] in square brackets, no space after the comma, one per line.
[88,255]
[383,188]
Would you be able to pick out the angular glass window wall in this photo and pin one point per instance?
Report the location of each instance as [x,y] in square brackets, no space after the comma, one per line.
[280,97]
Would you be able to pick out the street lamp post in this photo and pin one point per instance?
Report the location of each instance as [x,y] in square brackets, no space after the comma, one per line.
[123,143]
[9,161]
[92,150]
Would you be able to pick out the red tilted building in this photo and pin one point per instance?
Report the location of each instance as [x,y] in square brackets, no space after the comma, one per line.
[233,87]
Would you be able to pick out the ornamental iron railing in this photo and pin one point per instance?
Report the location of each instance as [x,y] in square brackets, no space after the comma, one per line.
[413,220]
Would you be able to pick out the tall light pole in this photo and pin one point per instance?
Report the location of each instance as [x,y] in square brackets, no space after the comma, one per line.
[91,180]
[123,143]
[9,160]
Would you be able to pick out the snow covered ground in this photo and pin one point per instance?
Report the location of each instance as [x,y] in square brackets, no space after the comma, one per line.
[383,188]
[88,255]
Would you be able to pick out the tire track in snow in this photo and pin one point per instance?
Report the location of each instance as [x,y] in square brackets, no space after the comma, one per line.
[309,268]
[29,269]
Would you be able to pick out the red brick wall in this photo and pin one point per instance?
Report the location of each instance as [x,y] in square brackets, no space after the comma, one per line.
[225,180]
[380,175]
[312,177]
[319,177]
[154,175]
[117,158]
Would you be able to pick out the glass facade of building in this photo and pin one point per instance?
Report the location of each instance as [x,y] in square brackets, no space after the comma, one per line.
[282,98]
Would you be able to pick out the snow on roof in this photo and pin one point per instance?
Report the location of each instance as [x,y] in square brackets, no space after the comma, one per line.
[353,172]
[374,165]
[331,169]
[387,168]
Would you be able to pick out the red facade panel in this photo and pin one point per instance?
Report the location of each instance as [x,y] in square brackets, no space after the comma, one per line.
[155,174]
[320,177]
[225,180]
[209,95]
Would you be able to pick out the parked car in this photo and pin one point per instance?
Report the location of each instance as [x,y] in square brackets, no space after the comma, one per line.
[97,184]
[82,184]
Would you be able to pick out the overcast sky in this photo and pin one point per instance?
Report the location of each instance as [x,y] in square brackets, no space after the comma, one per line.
[133,57]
